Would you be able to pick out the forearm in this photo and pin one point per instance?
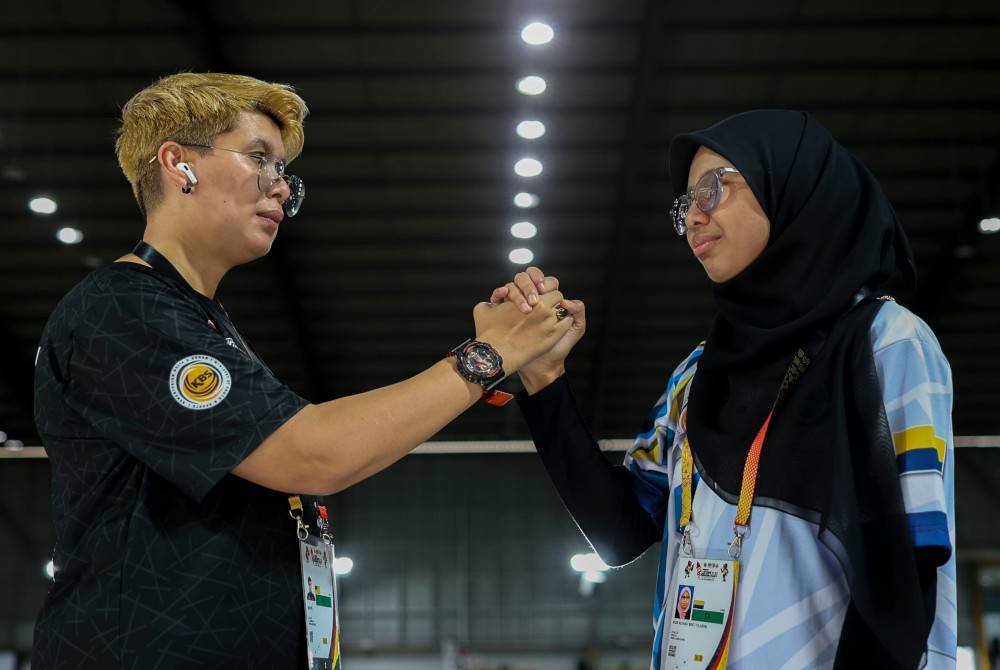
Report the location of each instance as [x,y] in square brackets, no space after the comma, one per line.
[348,439]
[596,493]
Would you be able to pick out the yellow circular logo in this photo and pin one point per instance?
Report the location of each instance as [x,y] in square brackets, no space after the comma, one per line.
[199,382]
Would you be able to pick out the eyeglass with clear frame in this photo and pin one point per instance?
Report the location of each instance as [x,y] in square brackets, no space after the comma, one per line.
[706,196]
[269,171]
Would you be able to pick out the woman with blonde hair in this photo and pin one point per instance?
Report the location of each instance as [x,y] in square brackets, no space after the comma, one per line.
[173,447]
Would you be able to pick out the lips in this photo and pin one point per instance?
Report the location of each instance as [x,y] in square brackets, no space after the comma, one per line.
[275,215]
[703,243]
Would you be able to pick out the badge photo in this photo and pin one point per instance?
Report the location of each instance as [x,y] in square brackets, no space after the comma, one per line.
[199,382]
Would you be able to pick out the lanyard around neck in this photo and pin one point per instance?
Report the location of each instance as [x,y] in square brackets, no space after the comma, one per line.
[744,508]
[158,262]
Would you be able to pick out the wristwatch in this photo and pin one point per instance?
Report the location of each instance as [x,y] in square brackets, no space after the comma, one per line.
[480,363]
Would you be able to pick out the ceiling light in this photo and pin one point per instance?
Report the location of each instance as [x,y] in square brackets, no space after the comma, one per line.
[528,167]
[523,230]
[526,200]
[342,565]
[69,236]
[531,85]
[521,256]
[595,577]
[43,205]
[587,562]
[536,33]
[991,225]
[50,570]
[531,130]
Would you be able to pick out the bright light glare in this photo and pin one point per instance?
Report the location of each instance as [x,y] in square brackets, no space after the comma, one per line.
[43,205]
[523,230]
[966,659]
[528,167]
[50,570]
[526,200]
[587,563]
[536,33]
[989,225]
[69,236]
[595,576]
[521,256]
[531,130]
[531,85]
[342,565]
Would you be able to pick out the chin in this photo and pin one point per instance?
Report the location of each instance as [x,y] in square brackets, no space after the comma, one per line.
[719,276]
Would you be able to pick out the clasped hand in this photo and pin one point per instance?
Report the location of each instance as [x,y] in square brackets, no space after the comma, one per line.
[535,297]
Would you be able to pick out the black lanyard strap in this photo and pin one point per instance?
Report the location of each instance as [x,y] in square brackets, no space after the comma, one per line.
[160,264]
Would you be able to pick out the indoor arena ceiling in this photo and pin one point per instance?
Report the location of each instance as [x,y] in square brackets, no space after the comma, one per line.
[409,157]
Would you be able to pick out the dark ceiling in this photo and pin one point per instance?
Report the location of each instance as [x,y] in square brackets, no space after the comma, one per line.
[409,155]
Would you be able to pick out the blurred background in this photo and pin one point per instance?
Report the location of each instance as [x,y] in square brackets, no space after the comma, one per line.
[451,143]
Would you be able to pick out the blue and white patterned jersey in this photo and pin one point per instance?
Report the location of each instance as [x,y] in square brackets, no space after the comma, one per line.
[792,619]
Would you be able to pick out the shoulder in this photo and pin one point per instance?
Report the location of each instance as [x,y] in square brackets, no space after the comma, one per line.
[685,370]
[913,371]
[114,296]
[114,282]
[894,323]
[668,405]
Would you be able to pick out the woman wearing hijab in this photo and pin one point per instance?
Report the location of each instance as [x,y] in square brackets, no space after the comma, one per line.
[815,397]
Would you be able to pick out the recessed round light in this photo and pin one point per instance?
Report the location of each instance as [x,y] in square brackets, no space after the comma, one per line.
[521,256]
[531,130]
[531,85]
[536,33]
[523,230]
[69,235]
[43,204]
[991,225]
[526,200]
[343,565]
[528,167]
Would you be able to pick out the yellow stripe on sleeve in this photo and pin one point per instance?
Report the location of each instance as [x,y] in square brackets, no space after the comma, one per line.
[919,437]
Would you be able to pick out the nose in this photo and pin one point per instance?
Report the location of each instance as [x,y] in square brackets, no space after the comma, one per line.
[279,189]
[696,217]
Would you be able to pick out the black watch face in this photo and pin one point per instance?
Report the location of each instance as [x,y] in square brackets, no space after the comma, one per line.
[482,360]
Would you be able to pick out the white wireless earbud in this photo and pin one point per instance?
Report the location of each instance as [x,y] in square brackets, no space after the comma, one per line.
[188,172]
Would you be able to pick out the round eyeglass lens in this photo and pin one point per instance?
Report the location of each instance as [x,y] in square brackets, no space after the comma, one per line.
[296,194]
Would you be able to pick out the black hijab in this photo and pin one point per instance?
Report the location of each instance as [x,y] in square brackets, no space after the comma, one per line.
[829,456]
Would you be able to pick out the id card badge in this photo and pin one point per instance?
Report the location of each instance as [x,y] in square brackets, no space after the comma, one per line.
[319,588]
[700,606]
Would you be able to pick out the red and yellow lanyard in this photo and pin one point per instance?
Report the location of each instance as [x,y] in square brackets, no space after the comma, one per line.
[744,507]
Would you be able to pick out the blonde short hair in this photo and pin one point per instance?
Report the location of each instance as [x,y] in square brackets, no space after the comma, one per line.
[196,108]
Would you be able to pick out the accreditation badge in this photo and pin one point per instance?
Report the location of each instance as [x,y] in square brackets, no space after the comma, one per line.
[319,588]
[700,606]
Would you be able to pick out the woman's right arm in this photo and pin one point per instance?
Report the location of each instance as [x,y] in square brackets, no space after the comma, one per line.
[597,494]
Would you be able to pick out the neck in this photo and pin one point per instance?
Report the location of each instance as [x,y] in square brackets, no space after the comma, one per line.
[199,266]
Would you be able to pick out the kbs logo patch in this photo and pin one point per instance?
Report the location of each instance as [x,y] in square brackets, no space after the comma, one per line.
[199,382]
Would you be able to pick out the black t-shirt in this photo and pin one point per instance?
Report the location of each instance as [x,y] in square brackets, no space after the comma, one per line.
[146,399]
